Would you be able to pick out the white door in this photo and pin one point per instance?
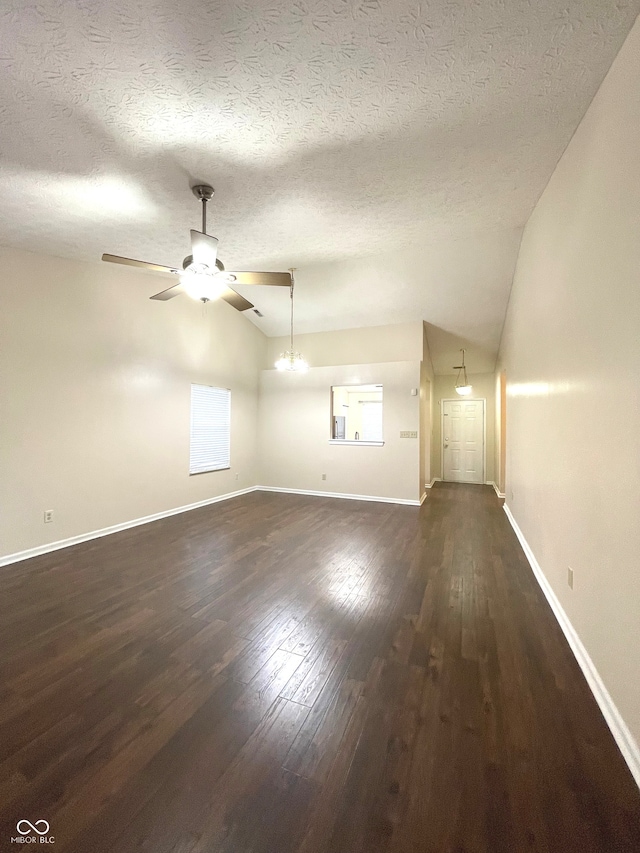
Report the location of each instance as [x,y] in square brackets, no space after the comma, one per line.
[463,441]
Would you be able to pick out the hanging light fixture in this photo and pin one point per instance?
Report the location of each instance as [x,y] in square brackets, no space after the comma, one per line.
[462,383]
[291,360]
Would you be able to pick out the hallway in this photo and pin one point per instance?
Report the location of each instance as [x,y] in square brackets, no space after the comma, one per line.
[288,674]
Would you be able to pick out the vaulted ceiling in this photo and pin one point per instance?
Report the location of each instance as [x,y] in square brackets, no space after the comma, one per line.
[391,151]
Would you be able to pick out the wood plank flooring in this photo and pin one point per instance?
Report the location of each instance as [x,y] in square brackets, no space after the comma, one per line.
[282,674]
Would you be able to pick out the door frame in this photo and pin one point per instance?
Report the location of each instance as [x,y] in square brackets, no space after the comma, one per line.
[502,432]
[482,400]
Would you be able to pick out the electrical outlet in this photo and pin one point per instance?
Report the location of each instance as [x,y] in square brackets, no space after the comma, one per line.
[323,476]
[570,577]
[237,476]
[48,516]
[408,433]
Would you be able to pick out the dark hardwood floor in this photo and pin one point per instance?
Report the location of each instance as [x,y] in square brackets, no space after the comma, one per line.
[281,674]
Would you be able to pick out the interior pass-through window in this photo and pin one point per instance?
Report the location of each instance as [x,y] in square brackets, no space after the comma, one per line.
[356,413]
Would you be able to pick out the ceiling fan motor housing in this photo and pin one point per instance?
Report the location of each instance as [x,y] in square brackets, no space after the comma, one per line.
[188,264]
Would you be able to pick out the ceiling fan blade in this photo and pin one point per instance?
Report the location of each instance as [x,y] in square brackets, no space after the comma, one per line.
[237,301]
[130,262]
[169,293]
[204,249]
[277,279]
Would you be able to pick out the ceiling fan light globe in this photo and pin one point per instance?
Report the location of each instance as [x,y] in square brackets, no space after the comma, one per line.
[203,288]
[196,269]
[464,390]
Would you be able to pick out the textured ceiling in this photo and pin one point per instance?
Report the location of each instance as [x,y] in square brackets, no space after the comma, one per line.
[331,130]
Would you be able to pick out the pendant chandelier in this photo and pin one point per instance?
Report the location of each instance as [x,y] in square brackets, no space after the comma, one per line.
[462,383]
[290,359]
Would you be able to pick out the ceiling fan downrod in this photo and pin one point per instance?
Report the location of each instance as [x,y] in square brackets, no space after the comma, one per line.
[205,193]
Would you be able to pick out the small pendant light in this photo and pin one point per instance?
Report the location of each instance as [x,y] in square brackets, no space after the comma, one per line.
[462,383]
[290,359]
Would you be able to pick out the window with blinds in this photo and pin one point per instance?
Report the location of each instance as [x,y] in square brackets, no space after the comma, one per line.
[210,448]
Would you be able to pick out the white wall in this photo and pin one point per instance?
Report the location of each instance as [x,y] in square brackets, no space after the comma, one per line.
[95,396]
[294,420]
[294,432]
[571,350]
[373,344]
[483,388]
[425,430]
[499,458]
[427,404]
[95,401]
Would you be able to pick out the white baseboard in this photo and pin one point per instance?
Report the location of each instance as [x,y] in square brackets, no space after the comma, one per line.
[495,488]
[423,498]
[115,528]
[440,480]
[136,522]
[619,729]
[404,501]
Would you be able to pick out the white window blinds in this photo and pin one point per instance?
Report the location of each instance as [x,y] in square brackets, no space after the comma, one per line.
[210,429]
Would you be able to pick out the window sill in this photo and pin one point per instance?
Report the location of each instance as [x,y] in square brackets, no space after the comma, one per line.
[356,443]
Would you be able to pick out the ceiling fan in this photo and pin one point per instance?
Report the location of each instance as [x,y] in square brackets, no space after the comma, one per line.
[203,275]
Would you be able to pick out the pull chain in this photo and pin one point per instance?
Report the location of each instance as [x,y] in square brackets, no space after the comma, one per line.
[291,334]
